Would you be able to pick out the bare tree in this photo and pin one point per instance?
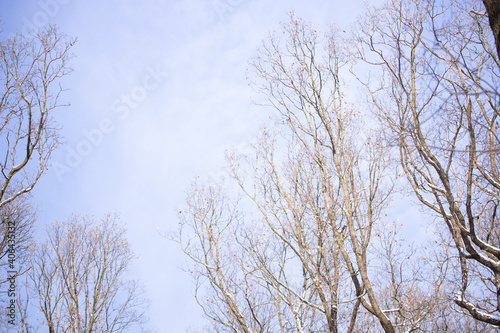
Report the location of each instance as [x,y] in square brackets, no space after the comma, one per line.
[303,241]
[436,93]
[31,68]
[207,235]
[301,80]
[78,276]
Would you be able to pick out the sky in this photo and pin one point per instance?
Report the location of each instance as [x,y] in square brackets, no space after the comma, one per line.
[157,94]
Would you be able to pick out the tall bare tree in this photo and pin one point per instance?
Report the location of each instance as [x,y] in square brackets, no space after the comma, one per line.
[301,79]
[78,276]
[31,68]
[436,91]
[304,239]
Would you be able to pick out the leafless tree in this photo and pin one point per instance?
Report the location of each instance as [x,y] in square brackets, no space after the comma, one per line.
[435,87]
[300,78]
[303,241]
[31,68]
[78,276]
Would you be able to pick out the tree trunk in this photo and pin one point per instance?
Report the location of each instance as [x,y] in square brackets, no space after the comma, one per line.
[493,10]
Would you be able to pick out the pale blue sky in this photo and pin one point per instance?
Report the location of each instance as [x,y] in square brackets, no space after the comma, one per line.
[183,63]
